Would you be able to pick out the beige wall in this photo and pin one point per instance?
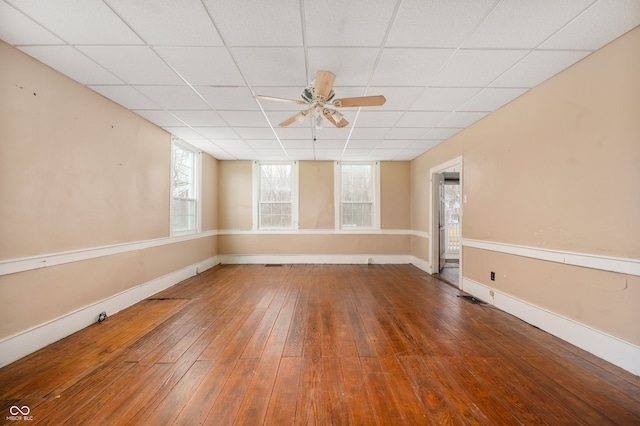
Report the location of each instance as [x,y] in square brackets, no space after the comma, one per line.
[235,195]
[556,169]
[316,197]
[395,194]
[79,172]
[76,170]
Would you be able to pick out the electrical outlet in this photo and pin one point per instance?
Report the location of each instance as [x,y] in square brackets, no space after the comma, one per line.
[493,276]
[491,293]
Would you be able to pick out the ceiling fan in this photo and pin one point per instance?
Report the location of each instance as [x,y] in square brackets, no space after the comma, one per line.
[319,97]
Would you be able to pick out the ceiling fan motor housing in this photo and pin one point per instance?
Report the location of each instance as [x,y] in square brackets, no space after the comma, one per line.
[307,95]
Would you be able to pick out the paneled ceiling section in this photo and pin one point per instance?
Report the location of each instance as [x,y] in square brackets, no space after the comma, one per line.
[193,66]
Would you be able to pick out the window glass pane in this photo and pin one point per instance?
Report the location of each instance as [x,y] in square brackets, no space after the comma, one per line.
[275,182]
[357,193]
[276,196]
[357,182]
[184,189]
[183,172]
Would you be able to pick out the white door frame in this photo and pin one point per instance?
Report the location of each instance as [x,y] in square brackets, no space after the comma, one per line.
[434,212]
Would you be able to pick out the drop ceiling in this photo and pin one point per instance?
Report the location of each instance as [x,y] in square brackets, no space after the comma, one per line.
[193,66]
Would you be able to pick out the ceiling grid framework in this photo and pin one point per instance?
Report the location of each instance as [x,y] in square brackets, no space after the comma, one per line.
[193,67]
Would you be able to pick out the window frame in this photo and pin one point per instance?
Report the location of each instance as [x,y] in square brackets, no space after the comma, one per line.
[197,183]
[375,220]
[257,165]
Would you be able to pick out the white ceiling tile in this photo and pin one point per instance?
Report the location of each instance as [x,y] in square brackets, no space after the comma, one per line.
[210,148]
[328,154]
[203,65]
[405,133]
[462,119]
[243,118]
[264,66]
[222,133]
[173,97]
[255,133]
[409,154]
[523,25]
[476,68]
[247,155]
[79,22]
[413,67]
[422,23]
[443,98]
[126,96]
[364,144]
[352,66]
[597,26]
[293,133]
[231,145]
[356,154]
[384,154]
[263,144]
[271,153]
[183,132]
[297,143]
[331,132]
[168,22]
[440,133]
[133,64]
[424,144]
[397,98]
[199,117]
[159,117]
[228,98]
[368,133]
[394,143]
[372,118]
[301,154]
[329,144]
[72,63]
[492,98]
[251,23]
[537,67]
[352,23]
[421,118]
[18,29]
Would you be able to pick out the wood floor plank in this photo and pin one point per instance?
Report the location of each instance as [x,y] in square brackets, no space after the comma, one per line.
[316,344]
[281,409]
[227,405]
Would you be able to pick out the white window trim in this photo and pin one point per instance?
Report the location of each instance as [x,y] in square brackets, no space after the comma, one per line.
[337,191]
[198,185]
[256,195]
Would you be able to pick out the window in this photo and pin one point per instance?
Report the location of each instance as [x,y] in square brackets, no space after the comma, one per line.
[276,195]
[357,195]
[185,205]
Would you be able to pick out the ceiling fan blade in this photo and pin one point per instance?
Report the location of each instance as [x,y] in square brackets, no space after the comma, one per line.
[273,98]
[335,118]
[297,118]
[362,101]
[324,84]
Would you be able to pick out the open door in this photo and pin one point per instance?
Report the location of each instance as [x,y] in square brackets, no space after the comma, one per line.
[438,219]
[439,232]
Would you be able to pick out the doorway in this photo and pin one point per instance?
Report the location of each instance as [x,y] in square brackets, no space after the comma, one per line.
[446,221]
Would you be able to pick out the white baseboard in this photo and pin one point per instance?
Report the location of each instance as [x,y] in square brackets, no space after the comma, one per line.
[610,348]
[315,259]
[15,347]
[421,264]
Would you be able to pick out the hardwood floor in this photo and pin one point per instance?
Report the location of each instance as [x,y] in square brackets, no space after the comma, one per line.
[316,344]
